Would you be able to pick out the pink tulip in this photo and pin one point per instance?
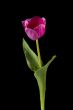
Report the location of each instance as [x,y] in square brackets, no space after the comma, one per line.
[34,27]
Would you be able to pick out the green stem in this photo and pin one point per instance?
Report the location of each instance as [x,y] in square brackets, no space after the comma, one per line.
[38,52]
[40,76]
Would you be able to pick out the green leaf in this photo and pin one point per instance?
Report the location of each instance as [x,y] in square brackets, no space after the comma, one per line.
[31,57]
[40,76]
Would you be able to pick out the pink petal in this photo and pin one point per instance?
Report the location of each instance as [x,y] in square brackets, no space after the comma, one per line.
[40,30]
[31,33]
[25,22]
[44,20]
[35,21]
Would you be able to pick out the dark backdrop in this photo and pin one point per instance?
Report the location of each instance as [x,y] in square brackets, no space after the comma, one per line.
[21,87]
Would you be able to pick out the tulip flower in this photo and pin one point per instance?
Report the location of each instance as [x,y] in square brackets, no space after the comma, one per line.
[35,28]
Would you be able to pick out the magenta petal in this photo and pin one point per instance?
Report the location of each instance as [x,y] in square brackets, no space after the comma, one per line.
[31,33]
[35,21]
[40,30]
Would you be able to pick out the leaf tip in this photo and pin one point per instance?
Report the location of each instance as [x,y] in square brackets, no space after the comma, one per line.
[54,57]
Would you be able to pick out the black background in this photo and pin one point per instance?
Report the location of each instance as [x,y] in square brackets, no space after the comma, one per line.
[20,87]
